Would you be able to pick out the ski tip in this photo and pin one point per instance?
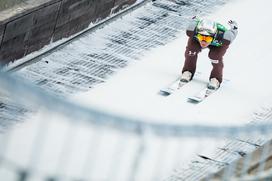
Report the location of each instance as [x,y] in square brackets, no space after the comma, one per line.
[164,93]
[194,100]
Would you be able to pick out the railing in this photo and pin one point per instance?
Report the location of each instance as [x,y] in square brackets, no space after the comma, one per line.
[60,140]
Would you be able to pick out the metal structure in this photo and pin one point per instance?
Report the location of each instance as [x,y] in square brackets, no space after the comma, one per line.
[60,140]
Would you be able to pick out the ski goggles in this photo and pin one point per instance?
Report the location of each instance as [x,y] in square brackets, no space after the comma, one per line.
[207,39]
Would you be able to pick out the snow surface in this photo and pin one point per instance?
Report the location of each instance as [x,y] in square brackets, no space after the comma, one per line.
[133,91]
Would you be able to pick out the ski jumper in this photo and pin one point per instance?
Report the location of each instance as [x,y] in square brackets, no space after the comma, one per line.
[217,49]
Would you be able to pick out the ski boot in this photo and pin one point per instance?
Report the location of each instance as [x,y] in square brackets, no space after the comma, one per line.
[186,76]
[213,84]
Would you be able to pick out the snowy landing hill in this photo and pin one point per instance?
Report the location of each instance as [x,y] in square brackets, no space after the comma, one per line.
[133,91]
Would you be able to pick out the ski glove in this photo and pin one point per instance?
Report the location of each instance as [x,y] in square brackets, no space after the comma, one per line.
[233,24]
[194,17]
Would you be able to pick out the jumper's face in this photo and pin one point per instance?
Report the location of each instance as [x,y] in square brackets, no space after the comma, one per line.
[204,40]
[204,44]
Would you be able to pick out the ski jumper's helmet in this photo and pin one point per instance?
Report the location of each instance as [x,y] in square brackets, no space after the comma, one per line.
[206,27]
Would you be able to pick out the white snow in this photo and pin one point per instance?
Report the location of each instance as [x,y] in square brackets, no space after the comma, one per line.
[133,91]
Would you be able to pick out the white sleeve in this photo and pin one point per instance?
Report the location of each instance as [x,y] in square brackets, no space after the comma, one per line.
[230,35]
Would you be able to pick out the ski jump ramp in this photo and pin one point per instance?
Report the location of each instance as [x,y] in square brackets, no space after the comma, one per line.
[89,109]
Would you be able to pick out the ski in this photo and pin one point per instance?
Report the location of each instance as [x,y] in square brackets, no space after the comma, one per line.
[171,88]
[174,86]
[202,95]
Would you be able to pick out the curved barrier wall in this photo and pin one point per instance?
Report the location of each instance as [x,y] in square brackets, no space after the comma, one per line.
[27,27]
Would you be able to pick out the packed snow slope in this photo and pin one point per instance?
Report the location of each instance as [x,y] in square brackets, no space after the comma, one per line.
[133,91]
